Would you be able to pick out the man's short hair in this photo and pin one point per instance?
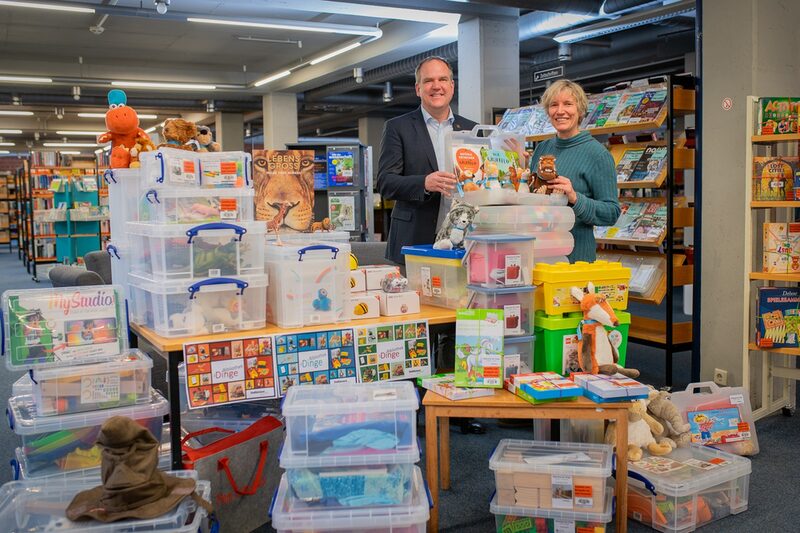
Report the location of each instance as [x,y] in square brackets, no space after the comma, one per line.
[431,58]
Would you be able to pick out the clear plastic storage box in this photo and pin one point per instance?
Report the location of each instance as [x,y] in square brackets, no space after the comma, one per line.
[510,518]
[163,252]
[63,326]
[223,170]
[120,253]
[499,260]
[552,475]
[439,276]
[310,283]
[213,305]
[516,303]
[76,389]
[68,441]
[524,219]
[693,486]
[39,505]
[291,515]
[196,206]
[317,236]
[123,198]
[518,355]
[170,168]
[326,419]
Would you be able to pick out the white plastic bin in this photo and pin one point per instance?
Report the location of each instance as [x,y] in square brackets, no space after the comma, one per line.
[509,518]
[327,236]
[524,219]
[121,258]
[499,260]
[225,170]
[551,475]
[67,442]
[694,486]
[212,305]
[124,186]
[516,303]
[196,206]
[439,276]
[77,389]
[319,415]
[23,386]
[169,168]
[310,283]
[163,252]
[291,515]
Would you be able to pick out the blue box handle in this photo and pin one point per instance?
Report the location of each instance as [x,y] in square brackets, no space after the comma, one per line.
[155,199]
[248,161]
[428,494]
[10,418]
[272,503]
[2,335]
[112,251]
[14,469]
[303,251]
[192,232]
[160,157]
[108,174]
[635,475]
[195,288]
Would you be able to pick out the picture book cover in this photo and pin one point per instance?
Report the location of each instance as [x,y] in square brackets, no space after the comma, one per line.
[611,387]
[341,168]
[651,164]
[604,110]
[315,358]
[776,178]
[718,426]
[778,116]
[479,348]
[591,107]
[778,320]
[539,123]
[393,351]
[649,106]
[341,210]
[445,385]
[624,110]
[551,387]
[284,189]
[230,371]
[627,163]
[515,120]
[64,325]
[467,165]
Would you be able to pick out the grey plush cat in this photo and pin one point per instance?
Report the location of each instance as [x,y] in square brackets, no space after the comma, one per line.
[456,226]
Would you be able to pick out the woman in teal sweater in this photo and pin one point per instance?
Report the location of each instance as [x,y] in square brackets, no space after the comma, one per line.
[586,172]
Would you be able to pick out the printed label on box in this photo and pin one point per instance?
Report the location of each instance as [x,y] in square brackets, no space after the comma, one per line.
[315,358]
[717,426]
[513,318]
[222,174]
[563,526]
[100,388]
[702,465]
[569,354]
[514,269]
[182,171]
[427,282]
[227,209]
[583,496]
[658,465]
[562,492]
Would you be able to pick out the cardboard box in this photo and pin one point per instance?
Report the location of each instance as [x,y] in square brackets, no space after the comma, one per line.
[781,247]
[358,280]
[375,274]
[364,305]
[397,303]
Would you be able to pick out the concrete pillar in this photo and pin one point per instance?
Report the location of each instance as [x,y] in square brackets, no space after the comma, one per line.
[370,131]
[280,120]
[761,60]
[230,131]
[488,67]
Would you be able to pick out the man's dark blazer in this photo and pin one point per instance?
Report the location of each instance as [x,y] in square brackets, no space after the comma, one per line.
[407,156]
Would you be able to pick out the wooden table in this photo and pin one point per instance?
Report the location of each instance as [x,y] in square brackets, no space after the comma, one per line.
[171,349]
[503,404]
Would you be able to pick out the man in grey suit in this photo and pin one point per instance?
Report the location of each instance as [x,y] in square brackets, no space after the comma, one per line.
[411,165]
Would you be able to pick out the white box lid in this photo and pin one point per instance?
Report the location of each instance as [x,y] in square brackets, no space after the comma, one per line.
[339,398]
[126,361]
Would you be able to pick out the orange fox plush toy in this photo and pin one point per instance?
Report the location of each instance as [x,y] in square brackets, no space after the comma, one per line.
[124,132]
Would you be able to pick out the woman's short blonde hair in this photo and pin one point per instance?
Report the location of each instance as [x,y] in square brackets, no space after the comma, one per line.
[566,85]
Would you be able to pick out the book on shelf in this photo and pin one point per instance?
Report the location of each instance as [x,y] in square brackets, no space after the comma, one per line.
[627,163]
[651,164]
[624,109]
[604,110]
[638,221]
[649,106]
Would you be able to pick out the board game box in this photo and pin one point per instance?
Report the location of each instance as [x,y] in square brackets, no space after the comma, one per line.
[778,116]
[778,320]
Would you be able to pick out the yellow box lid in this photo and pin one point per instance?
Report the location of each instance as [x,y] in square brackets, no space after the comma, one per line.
[580,272]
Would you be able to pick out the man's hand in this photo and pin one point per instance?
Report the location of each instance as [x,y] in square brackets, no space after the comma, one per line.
[443,182]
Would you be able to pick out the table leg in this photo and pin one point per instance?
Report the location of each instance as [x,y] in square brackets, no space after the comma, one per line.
[173,359]
[432,465]
[622,472]
[444,452]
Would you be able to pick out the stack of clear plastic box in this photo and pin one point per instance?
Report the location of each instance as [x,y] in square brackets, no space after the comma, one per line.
[196,254]
[74,343]
[349,456]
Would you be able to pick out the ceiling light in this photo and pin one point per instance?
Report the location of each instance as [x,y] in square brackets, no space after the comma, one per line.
[103,115]
[76,93]
[24,79]
[210,106]
[16,113]
[158,85]
[70,145]
[59,113]
[161,6]
[92,133]
[277,24]
[248,131]
[70,152]
[4,152]
[16,100]
[151,130]
[52,7]
[10,132]
[272,78]
[388,95]
[335,53]
[6,144]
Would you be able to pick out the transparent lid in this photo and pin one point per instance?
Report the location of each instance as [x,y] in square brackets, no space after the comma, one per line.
[113,175]
[212,229]
[499,237]
[327,236]
[689,470]
[427,250]
[557,514]
[500,290]
[23,420]
[156,195]
[127,361]
[305,250]
[289,460]
[240,282]
[518,340]
[552,457]
[339,398]
[39,505]
[290,514]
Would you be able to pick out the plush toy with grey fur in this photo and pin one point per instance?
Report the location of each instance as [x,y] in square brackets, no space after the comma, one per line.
[456,226]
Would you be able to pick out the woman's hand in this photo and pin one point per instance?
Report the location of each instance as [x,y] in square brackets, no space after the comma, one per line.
[564,185]
[514,145]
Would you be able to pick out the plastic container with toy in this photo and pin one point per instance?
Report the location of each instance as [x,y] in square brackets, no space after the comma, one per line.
[63,326]
[524,219]
[293,515]
[438,275]
[212,305]
[225,170]
[516,303]
[518,355]
[350,419]
[163,252]
[500,260]
[77,389]
[310,283]
[167,168]
[552,475]
[610,279]
[693,487]
[513,518]
[557,341]
[718,416]
[67,442]
[196,206]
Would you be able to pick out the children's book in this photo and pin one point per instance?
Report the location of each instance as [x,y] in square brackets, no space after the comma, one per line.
[281,174]
[538,123]
[604,110]
[591,106]
[444,384]
[479,348]
[778,321]
[624,110]
[627,163]
[649,106]
[650,165]
[778,116]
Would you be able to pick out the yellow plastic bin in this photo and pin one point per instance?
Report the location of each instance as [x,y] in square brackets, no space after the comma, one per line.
[438,275]
[554,298]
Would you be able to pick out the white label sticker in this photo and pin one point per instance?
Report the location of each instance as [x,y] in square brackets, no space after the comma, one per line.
[563,526]
[100,388]
[514,269]
[182,171]
[218,328]
[427,286]
[737,399]
[561,491]
[220,173]
[513,318]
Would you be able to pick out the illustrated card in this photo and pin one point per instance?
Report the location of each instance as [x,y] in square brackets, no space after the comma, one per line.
[393,351]
[315,358]
[718,426]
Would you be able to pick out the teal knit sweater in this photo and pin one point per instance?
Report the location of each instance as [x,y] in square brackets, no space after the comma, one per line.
[590,167]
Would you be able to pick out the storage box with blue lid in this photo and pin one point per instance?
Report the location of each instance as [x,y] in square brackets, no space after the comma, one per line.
[438,275]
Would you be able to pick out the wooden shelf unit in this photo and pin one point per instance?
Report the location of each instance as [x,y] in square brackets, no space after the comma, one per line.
[768,204]
[769,139]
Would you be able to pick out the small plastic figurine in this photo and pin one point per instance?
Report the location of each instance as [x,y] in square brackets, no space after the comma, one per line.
[394,282]
[322,302]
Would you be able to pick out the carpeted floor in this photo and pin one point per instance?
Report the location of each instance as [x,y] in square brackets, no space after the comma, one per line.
[774,490]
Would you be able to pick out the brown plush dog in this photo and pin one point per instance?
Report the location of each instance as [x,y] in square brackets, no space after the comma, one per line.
[179,133]
[545,172]
[205,140]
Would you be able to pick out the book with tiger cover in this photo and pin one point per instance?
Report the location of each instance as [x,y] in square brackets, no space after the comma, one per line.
[283,181]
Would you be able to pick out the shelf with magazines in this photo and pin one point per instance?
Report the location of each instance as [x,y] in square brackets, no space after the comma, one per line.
[771,340]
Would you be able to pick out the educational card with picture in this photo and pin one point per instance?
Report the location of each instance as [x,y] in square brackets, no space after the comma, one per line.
[393,351]
[229,371]
[315,358]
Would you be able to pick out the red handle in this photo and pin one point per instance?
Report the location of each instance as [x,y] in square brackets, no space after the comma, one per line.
[202,432]
[254,486]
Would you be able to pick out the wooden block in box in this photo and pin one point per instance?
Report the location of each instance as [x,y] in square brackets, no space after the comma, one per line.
[531,480]
[527,497]
[505,497]
[398,303]
[358,280]
[364,305]
[374,275]
[504,480]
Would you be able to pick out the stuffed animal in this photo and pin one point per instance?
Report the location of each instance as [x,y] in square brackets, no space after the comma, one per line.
[676,431]
[323,225]
[492,176]
[124,132]
[191,320]
[205,140]
[178,133]
[641,427]
[142,145]
[456,226]
[545,173]
[597,350]
[394,282]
